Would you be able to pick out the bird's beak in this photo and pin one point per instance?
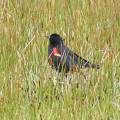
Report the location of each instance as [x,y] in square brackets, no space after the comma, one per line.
[47,36]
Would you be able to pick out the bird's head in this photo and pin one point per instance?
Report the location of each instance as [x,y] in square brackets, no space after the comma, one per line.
[55,39]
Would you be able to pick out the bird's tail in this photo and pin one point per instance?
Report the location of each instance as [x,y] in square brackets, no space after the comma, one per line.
[87,64]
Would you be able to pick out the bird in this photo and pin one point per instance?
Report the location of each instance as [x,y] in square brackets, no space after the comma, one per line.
[63,59]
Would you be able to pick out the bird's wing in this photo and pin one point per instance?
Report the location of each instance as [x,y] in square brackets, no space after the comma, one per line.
[79,61]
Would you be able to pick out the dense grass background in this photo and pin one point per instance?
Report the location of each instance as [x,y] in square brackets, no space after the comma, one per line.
[91,28]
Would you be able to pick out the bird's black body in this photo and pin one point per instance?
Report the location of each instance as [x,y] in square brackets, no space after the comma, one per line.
[62,58]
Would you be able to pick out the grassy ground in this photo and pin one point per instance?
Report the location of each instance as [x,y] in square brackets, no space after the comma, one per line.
[91,28]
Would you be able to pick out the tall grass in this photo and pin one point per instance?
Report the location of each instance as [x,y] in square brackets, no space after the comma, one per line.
[90,28]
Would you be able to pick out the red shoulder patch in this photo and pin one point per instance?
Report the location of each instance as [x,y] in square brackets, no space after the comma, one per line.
[55,52]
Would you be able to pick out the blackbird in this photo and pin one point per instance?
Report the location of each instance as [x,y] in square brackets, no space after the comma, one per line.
[63,59]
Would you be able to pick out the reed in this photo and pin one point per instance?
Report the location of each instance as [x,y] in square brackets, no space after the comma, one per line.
[91,28]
